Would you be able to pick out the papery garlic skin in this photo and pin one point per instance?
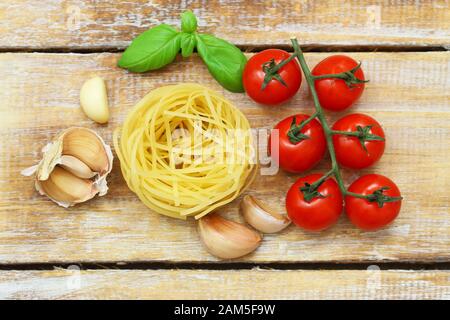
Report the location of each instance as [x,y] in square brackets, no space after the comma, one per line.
[74,167]
[94,100]
[261,217]
[52,154]
[227,239]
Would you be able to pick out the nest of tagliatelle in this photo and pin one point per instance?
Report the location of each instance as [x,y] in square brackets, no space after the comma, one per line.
[185,150]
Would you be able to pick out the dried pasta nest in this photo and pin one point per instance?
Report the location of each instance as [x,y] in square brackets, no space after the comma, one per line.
[185,150]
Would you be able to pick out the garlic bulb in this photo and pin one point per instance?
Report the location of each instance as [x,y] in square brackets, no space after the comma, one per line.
[74,167]
[261,217]
[227,239]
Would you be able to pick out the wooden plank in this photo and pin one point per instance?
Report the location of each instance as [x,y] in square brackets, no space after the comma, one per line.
[112,24]
[408,94]
[224,284]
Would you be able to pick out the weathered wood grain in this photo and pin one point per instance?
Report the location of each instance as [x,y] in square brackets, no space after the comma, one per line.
[224,284]
[112,24]
[408,94]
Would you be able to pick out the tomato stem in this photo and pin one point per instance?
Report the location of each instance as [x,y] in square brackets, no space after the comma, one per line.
[346,133]
[380,198]
[304,123]
[282,64]
[319,111]
[320,116]
[356,195]
[271,68]
[376,196]
[268,68]
[323,178]
[362,133]
[348,76]
[294,134]
[310,190]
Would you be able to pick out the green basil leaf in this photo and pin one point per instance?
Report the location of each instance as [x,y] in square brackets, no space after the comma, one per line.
[152,49]
[188,43]
[224,61]
[188,22]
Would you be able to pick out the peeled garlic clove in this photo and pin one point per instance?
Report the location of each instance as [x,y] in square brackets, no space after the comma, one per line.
[85,145]
[76,167]
[227,239]
[261,217]
[94,100]
[65,188]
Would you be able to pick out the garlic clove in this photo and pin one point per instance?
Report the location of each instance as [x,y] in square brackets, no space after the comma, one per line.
[94,100]
[66,189]
[261,217]
[85,145]
[76,167]
[227,239]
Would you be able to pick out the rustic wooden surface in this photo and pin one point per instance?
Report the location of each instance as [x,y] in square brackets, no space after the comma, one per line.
[111,24]
[408,93]
[222,284]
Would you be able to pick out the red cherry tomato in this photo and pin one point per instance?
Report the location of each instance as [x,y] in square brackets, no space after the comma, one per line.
[303,155]
[275,92]
[320,213]
[349,150]
[369,215]
[334,94]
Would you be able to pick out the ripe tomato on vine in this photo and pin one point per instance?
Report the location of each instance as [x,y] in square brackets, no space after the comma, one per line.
[338,93]
[269,87]
[358,141]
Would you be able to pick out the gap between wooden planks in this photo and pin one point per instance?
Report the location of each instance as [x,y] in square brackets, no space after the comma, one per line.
[408,94]
[74,25]
[233,284]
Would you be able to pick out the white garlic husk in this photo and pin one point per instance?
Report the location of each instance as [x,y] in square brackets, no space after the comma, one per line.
[261,217]
[74,167]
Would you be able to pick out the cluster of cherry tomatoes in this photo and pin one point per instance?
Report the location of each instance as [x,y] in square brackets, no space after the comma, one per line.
[358,141]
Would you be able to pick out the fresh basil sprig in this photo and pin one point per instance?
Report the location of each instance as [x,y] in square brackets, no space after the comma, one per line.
[158,46]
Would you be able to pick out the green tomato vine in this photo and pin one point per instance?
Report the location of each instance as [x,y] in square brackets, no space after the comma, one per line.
[310,191]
